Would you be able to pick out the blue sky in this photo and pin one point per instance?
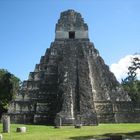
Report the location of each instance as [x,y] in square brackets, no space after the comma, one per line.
[27,27]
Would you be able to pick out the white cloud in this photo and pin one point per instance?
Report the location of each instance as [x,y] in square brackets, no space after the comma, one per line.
[120,68]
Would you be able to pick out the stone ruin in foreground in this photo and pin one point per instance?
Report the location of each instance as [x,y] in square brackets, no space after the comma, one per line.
[72,81]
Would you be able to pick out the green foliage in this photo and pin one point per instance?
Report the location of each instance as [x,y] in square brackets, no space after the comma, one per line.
[131,84]
[9,86]
[39,132]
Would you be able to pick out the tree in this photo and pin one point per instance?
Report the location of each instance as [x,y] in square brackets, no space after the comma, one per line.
[131,84]
[9,86]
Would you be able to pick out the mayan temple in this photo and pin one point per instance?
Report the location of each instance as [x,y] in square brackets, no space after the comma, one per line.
[71,81]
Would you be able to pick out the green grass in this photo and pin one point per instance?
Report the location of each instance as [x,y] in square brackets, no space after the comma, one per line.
[39,132]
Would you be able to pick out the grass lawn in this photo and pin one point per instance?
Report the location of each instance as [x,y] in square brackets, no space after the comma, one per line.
[39,132]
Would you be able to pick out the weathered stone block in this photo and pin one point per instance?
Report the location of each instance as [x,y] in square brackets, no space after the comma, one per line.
[78,125]
[1,137]
[58,121]
[6,123]
[21,129]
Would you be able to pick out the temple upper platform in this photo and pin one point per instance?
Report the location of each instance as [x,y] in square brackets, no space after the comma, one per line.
[71,26]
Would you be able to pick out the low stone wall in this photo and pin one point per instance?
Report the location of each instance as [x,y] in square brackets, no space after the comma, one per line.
[127,117]
[117,112]
[43,119]
[106,118]
[67,121]
[107,112]
[22,118]
[125,112]
[123,106]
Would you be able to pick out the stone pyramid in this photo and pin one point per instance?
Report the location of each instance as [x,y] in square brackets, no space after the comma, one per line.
[71,81]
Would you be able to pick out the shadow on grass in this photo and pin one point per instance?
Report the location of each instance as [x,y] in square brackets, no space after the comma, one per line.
[106,136]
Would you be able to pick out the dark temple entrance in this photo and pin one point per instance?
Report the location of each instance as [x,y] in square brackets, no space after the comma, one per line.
[71,35]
